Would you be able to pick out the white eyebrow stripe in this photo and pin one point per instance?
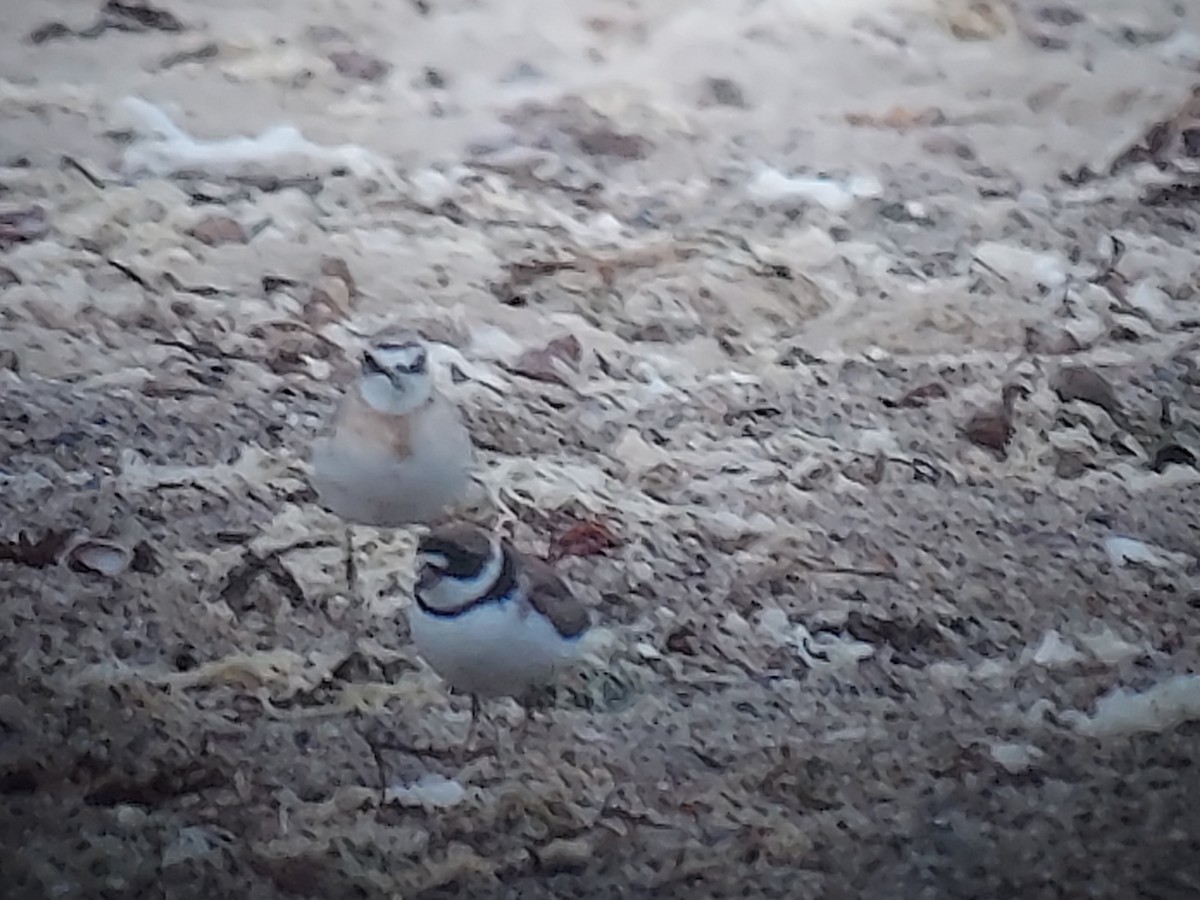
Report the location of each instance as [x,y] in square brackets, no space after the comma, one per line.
[451,595]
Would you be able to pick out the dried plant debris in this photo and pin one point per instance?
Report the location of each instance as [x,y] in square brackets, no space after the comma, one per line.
[993,428]
[114,16]
[359,66]
[899,118]
[203,53]
[584,539]
[577,122]
[869,619]
[921,395]
[36,553]
[20,225]
[551,363]
[140,16]
[1170,141]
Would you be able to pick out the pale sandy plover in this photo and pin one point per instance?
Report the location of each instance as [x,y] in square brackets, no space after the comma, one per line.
[399,452]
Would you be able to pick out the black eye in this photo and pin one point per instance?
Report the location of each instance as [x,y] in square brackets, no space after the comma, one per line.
[371,366]
[419,357]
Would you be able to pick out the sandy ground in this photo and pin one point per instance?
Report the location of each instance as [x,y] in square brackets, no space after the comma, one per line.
[863,633]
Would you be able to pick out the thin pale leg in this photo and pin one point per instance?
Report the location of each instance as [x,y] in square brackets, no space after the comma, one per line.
[379,739]
[380,767]
[464,749]
[526,721]
[531,714]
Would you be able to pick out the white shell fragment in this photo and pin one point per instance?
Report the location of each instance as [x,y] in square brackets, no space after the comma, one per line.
[1123,551]
[1160,708]
[99,556]
[432,791]
[835,195]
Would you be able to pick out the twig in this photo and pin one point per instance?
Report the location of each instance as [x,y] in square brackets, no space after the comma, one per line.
[130,274]
[71,163]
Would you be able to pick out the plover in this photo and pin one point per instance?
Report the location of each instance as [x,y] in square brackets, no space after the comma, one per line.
[491,621]
[399,453]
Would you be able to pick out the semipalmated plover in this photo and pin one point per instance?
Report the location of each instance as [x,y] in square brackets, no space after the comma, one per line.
[491,621]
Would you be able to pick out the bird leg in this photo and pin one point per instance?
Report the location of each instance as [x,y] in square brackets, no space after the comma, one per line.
[351,565]
[380,767]
[379,739]
[464,749]
[476,708]
[527,704]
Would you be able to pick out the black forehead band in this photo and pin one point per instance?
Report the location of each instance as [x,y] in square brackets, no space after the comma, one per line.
[502,590]
[460,563]
[418,363]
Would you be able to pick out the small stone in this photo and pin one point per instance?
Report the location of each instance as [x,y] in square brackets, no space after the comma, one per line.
[329,301]
[981,20]
[21,225]
[1059,15]
[543,364]
[904,213]
[606,142]
[1069,465]
[566,854]
[1051,341]
[1172,455]
[1087,386]
[722,92]
[523,71]
[217,230]
[993,428]
[921,395]
[325,34]
[358,65]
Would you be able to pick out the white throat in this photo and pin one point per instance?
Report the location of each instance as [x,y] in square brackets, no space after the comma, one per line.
[448,594]
[382,395]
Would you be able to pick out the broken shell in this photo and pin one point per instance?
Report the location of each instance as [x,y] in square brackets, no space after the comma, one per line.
[101,557]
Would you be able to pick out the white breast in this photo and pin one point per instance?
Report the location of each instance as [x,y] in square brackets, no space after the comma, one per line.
[494,650]
[362,484]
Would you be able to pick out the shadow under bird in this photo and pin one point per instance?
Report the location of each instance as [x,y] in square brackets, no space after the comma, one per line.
[491,621]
